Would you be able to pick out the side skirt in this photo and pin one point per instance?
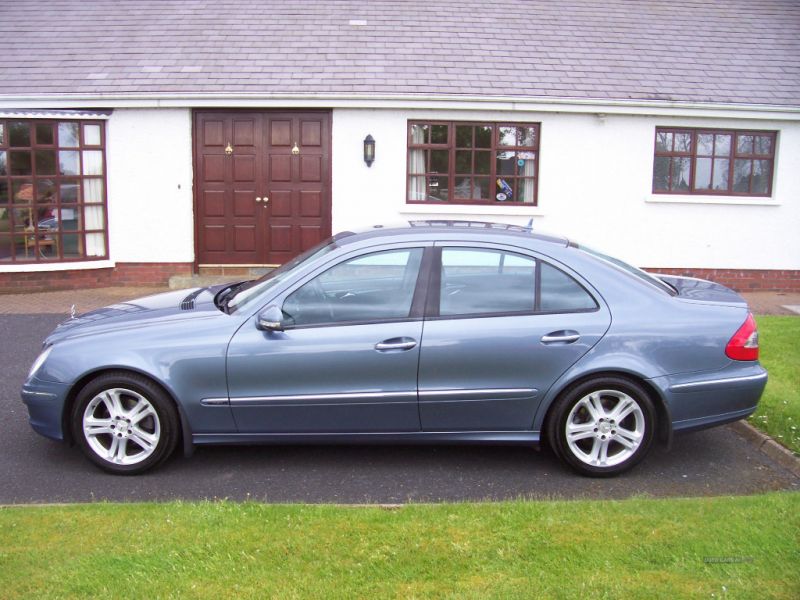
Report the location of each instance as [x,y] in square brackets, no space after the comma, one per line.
[525,438]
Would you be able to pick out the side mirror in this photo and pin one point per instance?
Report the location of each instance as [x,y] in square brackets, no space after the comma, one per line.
[270,319]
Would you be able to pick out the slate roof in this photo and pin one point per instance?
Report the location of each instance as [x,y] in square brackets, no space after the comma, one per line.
[725,51]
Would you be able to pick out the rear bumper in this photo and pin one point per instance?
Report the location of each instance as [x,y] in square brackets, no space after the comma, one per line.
[45,402]
[707,399]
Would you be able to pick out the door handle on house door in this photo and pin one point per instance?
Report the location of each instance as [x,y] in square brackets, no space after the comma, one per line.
[258,199]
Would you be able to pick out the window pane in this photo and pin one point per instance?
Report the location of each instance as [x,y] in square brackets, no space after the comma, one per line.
[744,144]
[486,281]
[560,292]
[661,173]
[68,162]
[507,163]
[92,162]
[483,136]
[464,136]
[463,161]
[44,134]
[4,197]
[721,167]
[508,136]
[70,191]
[70,218]
[416,161]
[45,191]
[681,173]
[683,142]
[526,190]
[505,190]
[20,162]
[45,162]
[741,175]
[91,135]
[22,191]
[73,245]
[761,172]
[483,163]
[663,141]
[527,136]
[95,244]
[481,187]
[374,287]
[705,144]
[2,134]
[763,145]
[417,191]
[440,161]
[702,174]
[437,188]
[439,134]
[93,190]
[68,135]
[19,134]
[463,189]
[3,162]
[722,145]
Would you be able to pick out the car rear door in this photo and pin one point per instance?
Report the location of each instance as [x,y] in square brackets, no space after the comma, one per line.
[502,326]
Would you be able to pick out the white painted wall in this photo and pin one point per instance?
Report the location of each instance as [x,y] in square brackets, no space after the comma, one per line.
[150,205]
[595,187]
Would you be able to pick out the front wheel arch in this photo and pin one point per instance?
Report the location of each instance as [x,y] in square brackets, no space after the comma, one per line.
[185,431]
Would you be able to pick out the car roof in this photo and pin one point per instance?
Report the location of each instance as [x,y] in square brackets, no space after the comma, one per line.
[431,228]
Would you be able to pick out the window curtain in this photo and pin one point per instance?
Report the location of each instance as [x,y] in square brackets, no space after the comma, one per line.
[416,165]
[527,185]
[93,192]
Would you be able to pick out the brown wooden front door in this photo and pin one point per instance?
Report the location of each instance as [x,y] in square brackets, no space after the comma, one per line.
[262,185]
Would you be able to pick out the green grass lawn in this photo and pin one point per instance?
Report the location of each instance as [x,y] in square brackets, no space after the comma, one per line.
[778,413]
[742,547]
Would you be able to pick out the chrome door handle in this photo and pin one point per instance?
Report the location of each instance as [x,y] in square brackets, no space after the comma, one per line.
[561,337]
[395,344]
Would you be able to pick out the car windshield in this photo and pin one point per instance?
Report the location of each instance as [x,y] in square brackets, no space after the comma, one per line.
[244,293]
[639,273]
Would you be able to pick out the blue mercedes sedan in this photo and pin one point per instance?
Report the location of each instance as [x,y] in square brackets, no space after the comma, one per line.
[436,332]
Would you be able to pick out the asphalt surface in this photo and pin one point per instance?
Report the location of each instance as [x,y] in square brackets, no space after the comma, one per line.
[36,470]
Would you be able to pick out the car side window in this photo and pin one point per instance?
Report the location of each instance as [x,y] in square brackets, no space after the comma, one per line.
[370,287]
[560,292]
[481,281]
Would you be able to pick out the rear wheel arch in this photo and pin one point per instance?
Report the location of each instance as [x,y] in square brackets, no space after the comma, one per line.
[663,417]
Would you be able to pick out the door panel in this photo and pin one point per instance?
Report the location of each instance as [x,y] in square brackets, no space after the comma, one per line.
[324,379]
[260,203]
[489,374]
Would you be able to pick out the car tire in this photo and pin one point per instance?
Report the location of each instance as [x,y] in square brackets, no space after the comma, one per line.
[124,423]
[603,426]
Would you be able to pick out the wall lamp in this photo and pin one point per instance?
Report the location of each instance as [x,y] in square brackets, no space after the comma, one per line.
[369,150]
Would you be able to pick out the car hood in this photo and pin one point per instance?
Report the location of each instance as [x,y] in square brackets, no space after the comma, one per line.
[690,288]
[169,306]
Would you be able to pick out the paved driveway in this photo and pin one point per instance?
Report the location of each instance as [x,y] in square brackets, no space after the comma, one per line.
[34,469]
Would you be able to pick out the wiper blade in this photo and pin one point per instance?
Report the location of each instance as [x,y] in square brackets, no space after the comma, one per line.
[226,294]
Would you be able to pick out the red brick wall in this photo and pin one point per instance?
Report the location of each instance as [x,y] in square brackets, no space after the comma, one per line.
[123,274]
[745,280]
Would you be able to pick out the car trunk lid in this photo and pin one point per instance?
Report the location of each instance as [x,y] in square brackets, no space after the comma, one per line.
[690,288]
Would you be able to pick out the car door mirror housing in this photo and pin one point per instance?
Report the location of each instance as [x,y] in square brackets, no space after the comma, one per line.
[270,319]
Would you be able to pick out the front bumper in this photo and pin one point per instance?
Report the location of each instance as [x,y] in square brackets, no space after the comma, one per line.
[45,401]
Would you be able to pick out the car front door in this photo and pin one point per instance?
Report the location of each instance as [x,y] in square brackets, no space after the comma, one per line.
[502,327]
[347,359]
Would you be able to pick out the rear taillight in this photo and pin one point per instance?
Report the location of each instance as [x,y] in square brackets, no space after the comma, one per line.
[744,343]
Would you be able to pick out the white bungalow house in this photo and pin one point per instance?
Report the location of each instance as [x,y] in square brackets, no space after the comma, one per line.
[141,140]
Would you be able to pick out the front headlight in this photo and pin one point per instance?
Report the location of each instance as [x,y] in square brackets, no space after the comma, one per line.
[37,364]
